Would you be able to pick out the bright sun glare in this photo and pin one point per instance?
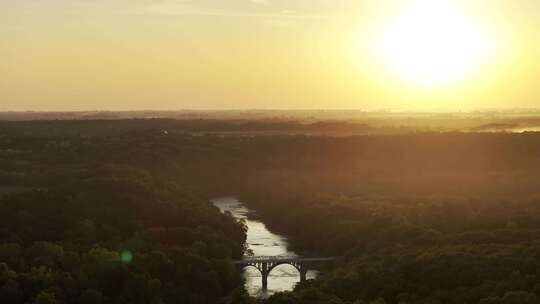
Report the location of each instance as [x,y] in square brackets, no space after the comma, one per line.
[432,44]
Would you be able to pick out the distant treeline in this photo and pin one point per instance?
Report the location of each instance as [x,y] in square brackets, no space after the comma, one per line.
[107,127]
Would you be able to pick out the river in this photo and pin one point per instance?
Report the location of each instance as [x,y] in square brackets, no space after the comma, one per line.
[263,242]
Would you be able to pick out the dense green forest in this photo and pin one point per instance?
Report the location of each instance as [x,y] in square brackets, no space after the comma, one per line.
[93,220]
[118,212]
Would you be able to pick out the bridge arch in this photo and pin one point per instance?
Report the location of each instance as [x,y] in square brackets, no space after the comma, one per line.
[265,265]
[254,267]
[297,267]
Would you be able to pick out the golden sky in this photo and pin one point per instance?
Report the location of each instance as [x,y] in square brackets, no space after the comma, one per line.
[269,54]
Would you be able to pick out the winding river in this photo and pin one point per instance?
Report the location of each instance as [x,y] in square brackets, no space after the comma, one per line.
[262,242]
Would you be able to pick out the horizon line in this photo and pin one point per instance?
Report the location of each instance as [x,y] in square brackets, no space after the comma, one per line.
[487,109]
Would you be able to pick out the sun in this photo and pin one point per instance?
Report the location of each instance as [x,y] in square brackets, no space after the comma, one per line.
[432,44]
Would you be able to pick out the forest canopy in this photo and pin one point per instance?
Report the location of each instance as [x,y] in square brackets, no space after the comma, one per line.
[118,212]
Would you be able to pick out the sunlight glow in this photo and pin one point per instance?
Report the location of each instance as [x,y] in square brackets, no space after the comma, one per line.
[432,44]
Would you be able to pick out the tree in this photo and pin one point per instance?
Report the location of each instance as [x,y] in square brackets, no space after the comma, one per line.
[519,297]
[240,296]
[45,297]
[91,296]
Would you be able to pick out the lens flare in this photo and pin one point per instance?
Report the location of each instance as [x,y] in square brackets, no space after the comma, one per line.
[126,256]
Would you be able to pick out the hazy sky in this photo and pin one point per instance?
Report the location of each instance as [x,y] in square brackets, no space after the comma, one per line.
[269,54]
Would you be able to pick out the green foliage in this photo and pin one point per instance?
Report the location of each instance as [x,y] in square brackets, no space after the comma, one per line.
[117,212]
[95,226]
[91,296]
[46,298]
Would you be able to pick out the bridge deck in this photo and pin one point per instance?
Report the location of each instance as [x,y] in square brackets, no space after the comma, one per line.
[283,259]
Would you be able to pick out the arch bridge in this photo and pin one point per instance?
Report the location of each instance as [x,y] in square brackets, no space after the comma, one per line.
[265,264]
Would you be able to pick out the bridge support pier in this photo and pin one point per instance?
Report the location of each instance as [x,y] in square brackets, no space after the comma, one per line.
[265,281]
[303,275]
[265,272]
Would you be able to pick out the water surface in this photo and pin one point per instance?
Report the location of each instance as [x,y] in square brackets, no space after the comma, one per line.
[262,242]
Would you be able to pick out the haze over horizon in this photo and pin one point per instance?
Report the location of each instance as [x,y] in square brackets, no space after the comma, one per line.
[416,55]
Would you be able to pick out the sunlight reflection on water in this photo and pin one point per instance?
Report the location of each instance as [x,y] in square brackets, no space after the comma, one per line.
[263,243]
